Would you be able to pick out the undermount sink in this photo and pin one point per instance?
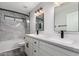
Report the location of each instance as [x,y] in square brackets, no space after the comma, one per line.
[54,38]
[66,41]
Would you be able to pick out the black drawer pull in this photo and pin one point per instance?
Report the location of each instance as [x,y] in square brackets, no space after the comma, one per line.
[34,50]
[35,42]
[27,45]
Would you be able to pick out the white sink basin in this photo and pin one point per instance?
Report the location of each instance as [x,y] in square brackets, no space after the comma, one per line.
[54,38]
[66,41]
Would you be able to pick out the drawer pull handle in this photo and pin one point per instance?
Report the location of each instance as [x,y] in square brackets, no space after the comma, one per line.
[27,45]
[35,42]
[34,50]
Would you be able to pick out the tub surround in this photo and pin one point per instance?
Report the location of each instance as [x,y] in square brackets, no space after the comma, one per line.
[9,45]
[63,43]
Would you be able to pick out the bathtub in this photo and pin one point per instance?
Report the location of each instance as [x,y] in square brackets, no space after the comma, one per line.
[10,45]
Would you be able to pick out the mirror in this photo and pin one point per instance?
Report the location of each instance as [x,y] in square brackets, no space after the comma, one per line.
[40,22]
[66,17]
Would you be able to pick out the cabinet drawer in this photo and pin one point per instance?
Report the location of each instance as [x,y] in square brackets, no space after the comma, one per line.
[50,49]
[28,49]
[35,42]
[52,52]
[43,53]
[35,51]
[56,50]
[27,38]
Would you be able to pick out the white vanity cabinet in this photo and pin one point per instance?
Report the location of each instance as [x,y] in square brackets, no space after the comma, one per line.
[28,46]
[50,49]
[31,46]
[54,50]
[36,47]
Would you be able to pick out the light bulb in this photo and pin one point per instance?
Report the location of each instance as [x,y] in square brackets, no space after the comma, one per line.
[27,21]
[41,11]
[38,13]
[35,14]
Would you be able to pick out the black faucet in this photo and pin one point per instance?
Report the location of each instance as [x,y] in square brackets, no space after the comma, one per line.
[62,34]
[37,32]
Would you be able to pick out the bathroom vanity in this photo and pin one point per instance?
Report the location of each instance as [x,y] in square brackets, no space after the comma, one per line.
[40,45]
[65,20]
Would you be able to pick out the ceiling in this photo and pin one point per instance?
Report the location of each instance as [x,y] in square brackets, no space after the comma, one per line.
[22,7]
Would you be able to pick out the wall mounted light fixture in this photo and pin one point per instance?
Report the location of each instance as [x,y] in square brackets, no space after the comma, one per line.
[39,11]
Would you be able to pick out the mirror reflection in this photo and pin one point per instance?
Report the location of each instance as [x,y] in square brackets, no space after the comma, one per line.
[66,17]
[39,19]
[40,22]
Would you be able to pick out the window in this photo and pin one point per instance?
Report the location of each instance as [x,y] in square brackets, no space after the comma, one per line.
[9,20]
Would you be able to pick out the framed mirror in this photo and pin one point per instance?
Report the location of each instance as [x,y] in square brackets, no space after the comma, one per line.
[40,22]
[66,17]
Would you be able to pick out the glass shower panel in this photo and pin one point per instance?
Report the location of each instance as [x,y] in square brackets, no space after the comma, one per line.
[11,28]
[19,25]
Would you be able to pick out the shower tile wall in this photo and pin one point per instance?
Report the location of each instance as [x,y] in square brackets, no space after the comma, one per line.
[11,29]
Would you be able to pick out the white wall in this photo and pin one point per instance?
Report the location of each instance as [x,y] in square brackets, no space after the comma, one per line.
[48,18]
[49,22]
